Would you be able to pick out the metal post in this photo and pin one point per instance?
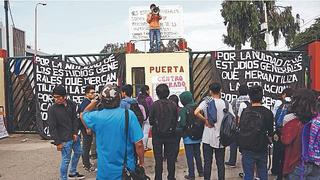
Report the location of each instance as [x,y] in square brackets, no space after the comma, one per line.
[266,21]
[35,32]
[6,2]
[36,29]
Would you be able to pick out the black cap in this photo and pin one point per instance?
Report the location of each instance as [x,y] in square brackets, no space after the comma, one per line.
[59,90]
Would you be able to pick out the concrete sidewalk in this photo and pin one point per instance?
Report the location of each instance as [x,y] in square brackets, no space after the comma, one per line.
[27,157]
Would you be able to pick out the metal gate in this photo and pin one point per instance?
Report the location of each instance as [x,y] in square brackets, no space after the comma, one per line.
[21,88]
[21,97]
[203,71]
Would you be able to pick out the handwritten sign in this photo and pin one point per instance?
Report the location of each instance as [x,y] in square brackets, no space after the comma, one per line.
[171,24]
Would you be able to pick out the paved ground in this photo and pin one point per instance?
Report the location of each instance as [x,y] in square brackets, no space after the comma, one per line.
[27,157]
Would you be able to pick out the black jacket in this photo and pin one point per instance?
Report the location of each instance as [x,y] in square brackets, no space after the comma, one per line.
[163,116]
[63,122]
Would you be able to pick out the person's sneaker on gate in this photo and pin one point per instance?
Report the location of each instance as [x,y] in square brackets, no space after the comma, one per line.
[90,169]
[189,177]
[230,164]
[201,174]
[76,176]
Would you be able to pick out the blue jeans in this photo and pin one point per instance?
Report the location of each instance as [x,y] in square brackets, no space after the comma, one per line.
[310,172]
[260,159]
[233,153]
[66,157]
[155,35]
[208,155]
[193,152]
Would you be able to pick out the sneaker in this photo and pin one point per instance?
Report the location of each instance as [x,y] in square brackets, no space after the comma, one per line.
[76,176]
[188,177]
[230,165]
[91,164]
[201,174]
[90,169]
[241,175]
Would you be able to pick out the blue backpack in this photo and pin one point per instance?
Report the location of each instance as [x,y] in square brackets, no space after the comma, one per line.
[212,112]
[281,112]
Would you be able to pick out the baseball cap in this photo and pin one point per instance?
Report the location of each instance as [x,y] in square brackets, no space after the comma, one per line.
[59,90]
[110,93]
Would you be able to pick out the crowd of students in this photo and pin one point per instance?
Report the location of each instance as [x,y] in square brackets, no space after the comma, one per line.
[121,126]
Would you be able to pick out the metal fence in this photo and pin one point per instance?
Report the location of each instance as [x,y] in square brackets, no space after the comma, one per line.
[21,94]
[21,88]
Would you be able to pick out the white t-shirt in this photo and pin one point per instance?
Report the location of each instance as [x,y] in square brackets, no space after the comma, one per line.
[211,136]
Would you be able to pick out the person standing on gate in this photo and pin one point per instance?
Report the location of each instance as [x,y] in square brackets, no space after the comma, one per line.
[87,133]
[63,125]
[256,130]
[128,102]
[163,119]
[191,143]
[109,122]
[211,133]
[153,19]
[146,101]
[243,97]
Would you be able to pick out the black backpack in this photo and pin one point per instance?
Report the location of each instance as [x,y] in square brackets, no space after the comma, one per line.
[137,111]
[166,119]
[228,127]
[142,100]
[194,125]
[251,136]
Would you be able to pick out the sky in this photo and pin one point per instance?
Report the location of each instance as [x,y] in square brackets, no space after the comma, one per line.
[81,27]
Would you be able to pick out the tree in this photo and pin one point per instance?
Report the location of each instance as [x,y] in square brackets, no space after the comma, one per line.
[310,34]
[114,48]
[244,18]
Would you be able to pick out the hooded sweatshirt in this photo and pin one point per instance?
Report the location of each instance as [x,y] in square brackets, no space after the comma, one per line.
[186,100]
[126,102]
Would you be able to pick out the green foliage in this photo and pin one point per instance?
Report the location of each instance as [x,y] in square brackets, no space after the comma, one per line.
[310,34]
[244,18]
[113,48]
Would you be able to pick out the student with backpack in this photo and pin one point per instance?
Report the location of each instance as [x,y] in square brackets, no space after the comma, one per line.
[281,109]
[128,102]
[146,101]
[175,99]
[243,97]
[301,136]
[192,134]
[213,110]
[163,118]
[256,129]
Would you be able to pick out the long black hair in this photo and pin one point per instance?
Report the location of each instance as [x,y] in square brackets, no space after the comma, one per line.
[303,104]
[144,90]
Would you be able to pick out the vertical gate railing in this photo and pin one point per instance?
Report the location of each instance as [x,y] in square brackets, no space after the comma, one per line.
[21,94]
